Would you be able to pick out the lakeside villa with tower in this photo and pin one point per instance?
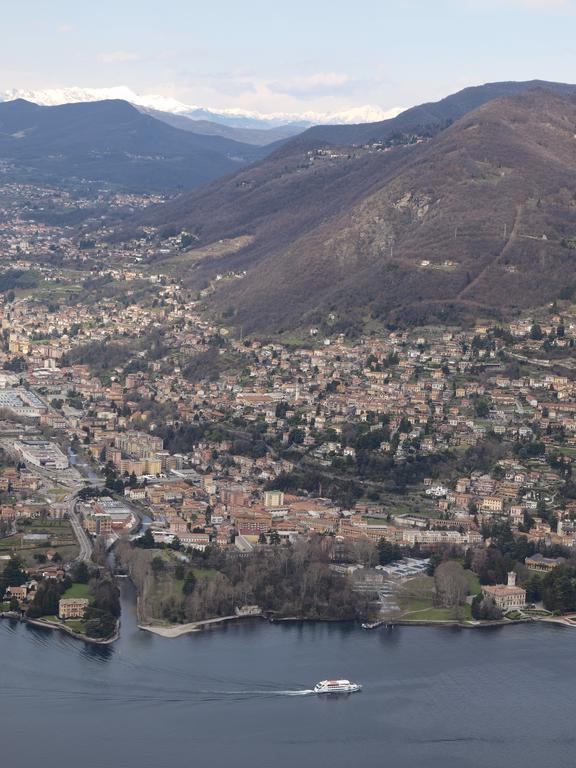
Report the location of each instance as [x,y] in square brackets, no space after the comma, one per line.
[508,596]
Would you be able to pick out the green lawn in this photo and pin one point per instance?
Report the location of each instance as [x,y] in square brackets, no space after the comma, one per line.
[416,599]
[76,626]
[77,590]
[204,573]
[474,587]
[440,614]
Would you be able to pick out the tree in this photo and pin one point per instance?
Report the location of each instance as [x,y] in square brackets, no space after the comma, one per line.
[146,541]
[482,407]
[80,573]
[536,333]
[45,601]
[14,574]
[189,583]
[484,608]
[451,585]
[99,624]
[106,596]
[388,552]
[179,572]
[275,537]
[533,589]
[559,589]
[405,425]
[434,562]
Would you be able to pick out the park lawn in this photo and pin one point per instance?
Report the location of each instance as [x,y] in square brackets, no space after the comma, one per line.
[474,586]
[204,573]
[416,594]
[441,614]
[77,590]
[76,625]
[416,600]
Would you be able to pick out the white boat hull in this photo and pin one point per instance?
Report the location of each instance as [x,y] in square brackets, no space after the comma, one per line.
[336,686]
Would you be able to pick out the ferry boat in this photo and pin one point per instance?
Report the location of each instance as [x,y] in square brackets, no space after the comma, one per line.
[336,686]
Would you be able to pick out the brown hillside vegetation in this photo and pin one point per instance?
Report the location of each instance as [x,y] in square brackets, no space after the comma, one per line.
[481,219]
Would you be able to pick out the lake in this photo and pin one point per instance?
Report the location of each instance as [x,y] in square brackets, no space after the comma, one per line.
[237,696]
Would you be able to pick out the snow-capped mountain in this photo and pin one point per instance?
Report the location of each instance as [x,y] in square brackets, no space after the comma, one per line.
[233,117]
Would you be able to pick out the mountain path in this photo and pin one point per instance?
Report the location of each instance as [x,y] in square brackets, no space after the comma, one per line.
[503,253]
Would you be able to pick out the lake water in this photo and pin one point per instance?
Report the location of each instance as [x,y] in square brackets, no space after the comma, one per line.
[236,696]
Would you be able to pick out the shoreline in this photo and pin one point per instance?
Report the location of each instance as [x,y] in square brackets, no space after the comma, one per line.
[172,631]
[63,628]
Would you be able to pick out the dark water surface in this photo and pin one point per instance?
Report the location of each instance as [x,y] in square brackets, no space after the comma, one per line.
[234,697]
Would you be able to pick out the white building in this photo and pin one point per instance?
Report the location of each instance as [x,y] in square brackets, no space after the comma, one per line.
[41,453]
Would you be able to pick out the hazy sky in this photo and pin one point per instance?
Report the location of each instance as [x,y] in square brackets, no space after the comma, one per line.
[291,56]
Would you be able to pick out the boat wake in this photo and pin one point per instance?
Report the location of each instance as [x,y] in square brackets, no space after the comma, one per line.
[306,692]
[265,692]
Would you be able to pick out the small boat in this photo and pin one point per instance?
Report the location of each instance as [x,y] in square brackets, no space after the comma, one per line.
[336,686]
[371,625]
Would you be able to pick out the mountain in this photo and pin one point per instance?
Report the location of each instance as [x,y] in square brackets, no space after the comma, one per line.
[476,221]
[234,118]
[259,137]
[112,142]
[432,117]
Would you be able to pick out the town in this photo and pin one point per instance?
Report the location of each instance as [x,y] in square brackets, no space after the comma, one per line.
[426,473]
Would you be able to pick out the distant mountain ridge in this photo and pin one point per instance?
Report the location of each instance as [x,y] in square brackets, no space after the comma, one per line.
[478,219]
[234,118]
[259,137]
[113,142]
[431,117]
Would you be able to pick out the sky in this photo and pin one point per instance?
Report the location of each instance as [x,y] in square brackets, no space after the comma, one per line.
[291,56]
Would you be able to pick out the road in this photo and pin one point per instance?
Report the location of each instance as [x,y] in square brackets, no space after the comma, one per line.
[84,542]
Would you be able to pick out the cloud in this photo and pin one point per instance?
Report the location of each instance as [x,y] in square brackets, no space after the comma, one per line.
[118,57]
[65,29]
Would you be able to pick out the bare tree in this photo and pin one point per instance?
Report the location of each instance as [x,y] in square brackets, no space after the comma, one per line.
[451,585]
